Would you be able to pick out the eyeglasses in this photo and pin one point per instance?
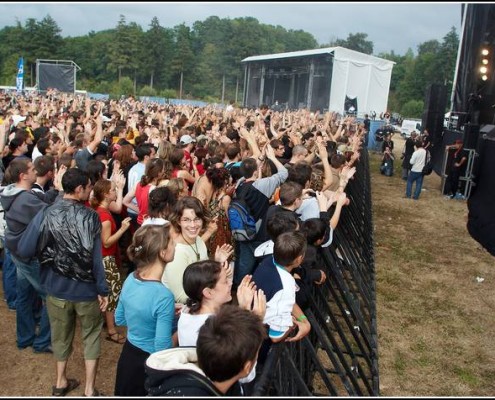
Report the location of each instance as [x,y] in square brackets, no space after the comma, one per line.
[188,220]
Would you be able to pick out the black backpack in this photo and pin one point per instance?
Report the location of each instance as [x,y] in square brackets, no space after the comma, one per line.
[428,168]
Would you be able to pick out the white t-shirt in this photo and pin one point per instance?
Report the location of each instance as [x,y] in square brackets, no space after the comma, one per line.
[188,327]
[154,221]
[418,160]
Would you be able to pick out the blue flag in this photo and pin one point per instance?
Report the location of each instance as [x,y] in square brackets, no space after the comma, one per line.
[20,74]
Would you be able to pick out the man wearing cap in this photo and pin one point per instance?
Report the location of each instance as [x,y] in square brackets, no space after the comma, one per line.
[187,144]
[18,119]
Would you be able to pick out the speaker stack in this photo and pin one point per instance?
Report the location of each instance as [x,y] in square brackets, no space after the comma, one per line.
[434,114]
[471,135]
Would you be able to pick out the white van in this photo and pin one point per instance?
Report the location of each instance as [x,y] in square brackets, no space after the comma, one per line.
[409,125]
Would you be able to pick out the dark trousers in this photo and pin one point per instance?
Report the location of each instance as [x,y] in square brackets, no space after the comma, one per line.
[130,371]
[453,179]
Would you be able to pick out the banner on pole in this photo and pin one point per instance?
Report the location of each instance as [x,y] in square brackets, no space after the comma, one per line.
[20,74]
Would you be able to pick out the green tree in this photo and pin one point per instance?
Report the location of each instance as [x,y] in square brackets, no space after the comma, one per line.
[125,48]
[183,60]
[123,87]
[413,109]
[207,69]
[147,91]
[448,55]
[158,43]
[48,39]
[354,41]
[431,46]
[169,93]
[10,51]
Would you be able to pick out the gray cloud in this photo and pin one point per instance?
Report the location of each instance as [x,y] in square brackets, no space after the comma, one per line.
[391,26]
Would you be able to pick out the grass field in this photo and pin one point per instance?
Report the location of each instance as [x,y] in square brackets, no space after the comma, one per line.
[435,320]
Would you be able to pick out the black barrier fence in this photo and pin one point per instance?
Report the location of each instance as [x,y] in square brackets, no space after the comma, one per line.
[340,355]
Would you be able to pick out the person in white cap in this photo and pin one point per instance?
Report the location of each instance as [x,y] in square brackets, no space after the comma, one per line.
[16,119]
[187,144]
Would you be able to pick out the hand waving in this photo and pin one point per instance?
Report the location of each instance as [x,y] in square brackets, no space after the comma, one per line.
[223,253]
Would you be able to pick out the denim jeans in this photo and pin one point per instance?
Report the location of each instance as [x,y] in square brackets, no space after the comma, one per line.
[9,279]
[414,177]
[28,288]
[245,260]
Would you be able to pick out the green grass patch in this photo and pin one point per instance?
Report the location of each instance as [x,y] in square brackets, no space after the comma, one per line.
[400,364]
[466,376]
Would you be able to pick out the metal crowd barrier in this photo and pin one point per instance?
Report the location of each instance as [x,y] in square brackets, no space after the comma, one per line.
[340,355]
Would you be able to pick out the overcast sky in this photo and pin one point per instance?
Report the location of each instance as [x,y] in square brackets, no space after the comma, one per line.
[390,26]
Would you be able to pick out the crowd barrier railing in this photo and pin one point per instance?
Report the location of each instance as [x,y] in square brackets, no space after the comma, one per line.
[340,355]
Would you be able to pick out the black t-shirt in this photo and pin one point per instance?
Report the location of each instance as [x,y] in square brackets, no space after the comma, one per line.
[389,144]
[366,123]
[457,159]
[272,210]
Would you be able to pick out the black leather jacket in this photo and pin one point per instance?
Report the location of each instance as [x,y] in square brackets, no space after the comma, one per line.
[67,238]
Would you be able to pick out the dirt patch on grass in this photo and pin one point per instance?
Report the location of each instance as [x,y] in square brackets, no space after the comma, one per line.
[435,321]
[27,374]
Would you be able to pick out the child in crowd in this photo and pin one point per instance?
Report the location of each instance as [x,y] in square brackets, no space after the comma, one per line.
[274,277]
[215,366]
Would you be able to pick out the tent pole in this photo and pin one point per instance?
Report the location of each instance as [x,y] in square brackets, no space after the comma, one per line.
[454,84]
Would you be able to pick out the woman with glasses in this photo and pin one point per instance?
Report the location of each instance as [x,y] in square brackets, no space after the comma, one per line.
[189,218]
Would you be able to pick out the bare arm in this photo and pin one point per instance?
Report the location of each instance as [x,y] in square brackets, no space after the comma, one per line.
[251,141]
[127,201]
[341,200]
[98,135]
[187,176]
[119,179]
[3,130]
[107,239]
[328,176]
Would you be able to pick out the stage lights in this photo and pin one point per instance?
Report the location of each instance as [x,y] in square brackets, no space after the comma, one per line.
[485,51]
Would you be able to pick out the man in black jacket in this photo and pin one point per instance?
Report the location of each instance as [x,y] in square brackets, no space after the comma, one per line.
[68,237]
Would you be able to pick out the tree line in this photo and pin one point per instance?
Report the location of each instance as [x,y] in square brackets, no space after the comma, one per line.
[203,61]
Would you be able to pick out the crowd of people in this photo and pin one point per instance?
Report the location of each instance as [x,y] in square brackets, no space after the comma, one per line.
[416,161]
[190,235]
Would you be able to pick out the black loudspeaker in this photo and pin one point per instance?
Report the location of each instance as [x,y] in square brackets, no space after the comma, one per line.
[471,135]
[433,121]
[488,130]
[436,98]
[487,109]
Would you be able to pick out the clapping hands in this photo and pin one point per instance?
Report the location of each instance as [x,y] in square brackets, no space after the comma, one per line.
[251,299]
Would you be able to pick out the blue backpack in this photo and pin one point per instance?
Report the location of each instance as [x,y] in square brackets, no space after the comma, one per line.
[242,224]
